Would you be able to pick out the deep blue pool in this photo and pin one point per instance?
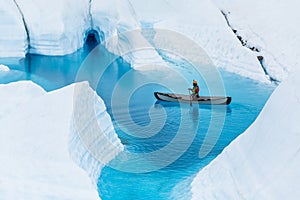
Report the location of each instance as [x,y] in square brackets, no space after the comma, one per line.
[163,180]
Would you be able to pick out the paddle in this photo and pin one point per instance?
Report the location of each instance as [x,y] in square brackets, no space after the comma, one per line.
[190,97]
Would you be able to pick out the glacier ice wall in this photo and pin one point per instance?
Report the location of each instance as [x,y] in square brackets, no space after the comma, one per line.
[38,147]
[123,36]
[263,162]
[270,27]
[35,161]
[55,27]
[202,22]
[13,38]
[93,142]
[52,28]
[61,27]
[42,27]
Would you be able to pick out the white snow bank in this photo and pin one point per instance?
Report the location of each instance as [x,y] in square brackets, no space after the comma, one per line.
[60,27]
[264,162]
[34,144]
[202,22]
[12,32]
[55,27]
[24,92]
[270,26]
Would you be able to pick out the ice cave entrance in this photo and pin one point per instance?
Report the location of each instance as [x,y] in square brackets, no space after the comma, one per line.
[92,38]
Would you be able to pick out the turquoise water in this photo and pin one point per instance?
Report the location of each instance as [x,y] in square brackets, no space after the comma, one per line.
[171,180]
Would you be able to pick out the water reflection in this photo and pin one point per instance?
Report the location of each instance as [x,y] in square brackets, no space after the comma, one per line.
[195,114]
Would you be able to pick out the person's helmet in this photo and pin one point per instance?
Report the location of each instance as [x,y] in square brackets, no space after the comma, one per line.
[194,82]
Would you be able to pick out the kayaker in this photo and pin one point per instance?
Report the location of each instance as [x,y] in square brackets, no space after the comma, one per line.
[195,90]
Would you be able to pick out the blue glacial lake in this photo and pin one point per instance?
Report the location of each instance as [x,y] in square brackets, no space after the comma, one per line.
[145,125]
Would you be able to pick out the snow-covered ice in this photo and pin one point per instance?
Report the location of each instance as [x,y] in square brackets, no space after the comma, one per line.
[263,162]
[13,38]
[271,27]
[59,30]
[202,22]
[54,28]
[93,141]
[122,31]
[34,144]
[24,92]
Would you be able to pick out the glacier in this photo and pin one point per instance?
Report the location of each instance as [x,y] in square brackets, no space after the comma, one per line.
[262,163]
[35,139]
[59,30]
[52,28]
[202,22]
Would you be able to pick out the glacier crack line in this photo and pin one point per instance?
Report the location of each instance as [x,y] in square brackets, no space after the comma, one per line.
[252,48]
[25,26]
[90,15]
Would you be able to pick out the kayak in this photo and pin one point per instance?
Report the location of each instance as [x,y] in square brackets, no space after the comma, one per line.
[182,98]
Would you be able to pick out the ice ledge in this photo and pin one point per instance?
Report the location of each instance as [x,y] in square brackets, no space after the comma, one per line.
[93,142]
[263,162]
[35,149]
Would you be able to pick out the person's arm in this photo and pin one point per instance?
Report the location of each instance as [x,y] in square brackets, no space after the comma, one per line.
[194,90]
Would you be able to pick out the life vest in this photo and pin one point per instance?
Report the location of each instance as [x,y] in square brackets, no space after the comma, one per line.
[196,89]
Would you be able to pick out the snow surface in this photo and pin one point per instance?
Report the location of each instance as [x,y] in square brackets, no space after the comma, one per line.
[264,161]
[270,26]
[55,29]
[34,144]
[24,93]
[202,22]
